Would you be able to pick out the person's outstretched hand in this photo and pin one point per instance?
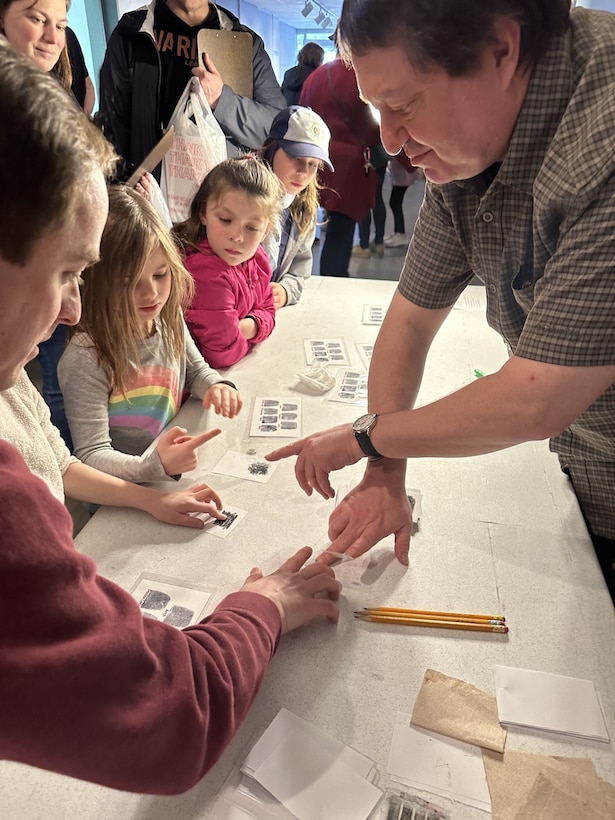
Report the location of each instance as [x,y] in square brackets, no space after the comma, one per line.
[177,450]
[298,591]
[320,454]
[225,400]
[179,508]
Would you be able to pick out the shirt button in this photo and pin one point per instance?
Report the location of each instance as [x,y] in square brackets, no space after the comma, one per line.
[492,288]
[487,217]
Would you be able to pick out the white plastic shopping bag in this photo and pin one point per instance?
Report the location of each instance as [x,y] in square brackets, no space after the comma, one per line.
[198,144]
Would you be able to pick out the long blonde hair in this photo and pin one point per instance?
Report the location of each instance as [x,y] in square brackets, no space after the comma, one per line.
[133,231]
[248,174]
[304,207]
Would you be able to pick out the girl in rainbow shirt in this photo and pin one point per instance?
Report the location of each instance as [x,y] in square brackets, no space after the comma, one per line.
[130,358]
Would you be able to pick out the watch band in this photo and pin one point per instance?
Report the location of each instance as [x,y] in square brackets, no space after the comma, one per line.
[365,442]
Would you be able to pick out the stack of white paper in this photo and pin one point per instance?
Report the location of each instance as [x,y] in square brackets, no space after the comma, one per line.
[437,764]
[305,774]
[557,703]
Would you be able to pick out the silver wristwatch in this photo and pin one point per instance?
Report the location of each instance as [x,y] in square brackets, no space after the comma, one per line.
[362,428]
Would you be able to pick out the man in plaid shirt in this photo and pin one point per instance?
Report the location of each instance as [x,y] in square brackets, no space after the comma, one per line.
[509,108]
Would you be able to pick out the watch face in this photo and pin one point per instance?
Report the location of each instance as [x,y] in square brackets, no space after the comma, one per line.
[363,423]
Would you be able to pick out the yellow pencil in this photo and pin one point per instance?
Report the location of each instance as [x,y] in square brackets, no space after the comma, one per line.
[469,619]
[432,613]
[435,623]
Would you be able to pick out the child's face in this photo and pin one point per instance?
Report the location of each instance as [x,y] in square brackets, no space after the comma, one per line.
[235,226]
[152,289]
[295,173]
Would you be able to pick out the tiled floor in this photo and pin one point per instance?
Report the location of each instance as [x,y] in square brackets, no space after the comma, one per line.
[390,265]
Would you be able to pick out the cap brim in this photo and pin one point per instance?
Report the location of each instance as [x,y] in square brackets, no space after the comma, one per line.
[305,149]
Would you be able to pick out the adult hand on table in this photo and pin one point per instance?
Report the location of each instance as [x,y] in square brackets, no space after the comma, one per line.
[177,451]
[296,589]
[375,508]
[320,454]
[176,508]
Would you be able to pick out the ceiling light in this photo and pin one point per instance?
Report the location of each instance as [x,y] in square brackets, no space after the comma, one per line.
[307,9]
[320,17]
[326,22]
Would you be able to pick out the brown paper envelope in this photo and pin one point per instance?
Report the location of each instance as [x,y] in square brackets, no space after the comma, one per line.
[457,709]
[231,52]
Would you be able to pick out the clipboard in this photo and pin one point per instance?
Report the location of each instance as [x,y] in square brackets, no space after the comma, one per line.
[155,156]
[231,53]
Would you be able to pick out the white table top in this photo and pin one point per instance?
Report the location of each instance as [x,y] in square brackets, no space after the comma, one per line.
[499,533]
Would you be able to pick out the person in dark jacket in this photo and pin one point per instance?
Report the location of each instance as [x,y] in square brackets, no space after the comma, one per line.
[151,56]
[309,58]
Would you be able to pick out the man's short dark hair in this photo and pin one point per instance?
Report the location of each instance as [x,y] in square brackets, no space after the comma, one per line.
[49,150]
[449,34]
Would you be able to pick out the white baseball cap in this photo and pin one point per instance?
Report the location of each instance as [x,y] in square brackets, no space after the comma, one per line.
[301,132]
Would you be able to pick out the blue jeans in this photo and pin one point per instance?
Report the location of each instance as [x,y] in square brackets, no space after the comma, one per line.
[49,355]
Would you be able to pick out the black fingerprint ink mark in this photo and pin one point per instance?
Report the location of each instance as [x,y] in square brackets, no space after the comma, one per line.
[289,408]
[154,599]
[258,468]
[179,616]
[230,517]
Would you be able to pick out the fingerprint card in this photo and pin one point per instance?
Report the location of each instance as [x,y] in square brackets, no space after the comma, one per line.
[365,352]
[174,602]
[214,526]
[374,314]
[351,388]
[276,417]
[331,351]
[244,465]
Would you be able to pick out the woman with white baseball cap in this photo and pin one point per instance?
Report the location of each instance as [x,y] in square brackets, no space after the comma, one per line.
[296,148]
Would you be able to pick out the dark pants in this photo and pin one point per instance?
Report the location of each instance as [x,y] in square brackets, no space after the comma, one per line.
[50,353]
[396,202]
[337,248]
[380,214]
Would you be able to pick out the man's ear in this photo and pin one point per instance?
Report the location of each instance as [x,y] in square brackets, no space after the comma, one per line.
[504,49]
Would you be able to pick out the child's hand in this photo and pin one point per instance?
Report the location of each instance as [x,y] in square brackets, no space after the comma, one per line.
[143,185]
[280,297]
[225,400]
[175,508]
[177,451]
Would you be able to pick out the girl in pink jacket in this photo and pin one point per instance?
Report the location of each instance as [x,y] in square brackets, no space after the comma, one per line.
[237,205]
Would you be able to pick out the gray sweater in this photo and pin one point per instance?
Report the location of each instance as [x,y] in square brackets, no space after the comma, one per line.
[111,431]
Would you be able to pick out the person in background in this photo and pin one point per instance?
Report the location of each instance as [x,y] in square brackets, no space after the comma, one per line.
[349,192]
[403,175]
[81,86]
[126,367]
[38,30]
[151,56]
[379,215]
[235,208]
[88,687]
[309,58]
[508,108]
[296,148]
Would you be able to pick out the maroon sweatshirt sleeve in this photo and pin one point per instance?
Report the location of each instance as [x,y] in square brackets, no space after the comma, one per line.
[88,687]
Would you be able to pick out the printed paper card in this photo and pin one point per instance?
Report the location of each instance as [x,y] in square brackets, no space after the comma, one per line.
[351,388]
[326,351]
[374,314]
[170,600]
[221,528]
[276,417]
[248,466]
[365,352]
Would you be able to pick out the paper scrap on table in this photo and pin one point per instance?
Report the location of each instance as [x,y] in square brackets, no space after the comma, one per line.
[276,416]
[331,351]
[516,785]
[312,783]
[219,528]
[315,381]
[473,298]
[437,764]
[351,388]
[246,466]
[374,314]
[457,709]
[556,703]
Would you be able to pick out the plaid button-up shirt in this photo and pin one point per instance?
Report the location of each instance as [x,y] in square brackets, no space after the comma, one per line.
[541,236]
